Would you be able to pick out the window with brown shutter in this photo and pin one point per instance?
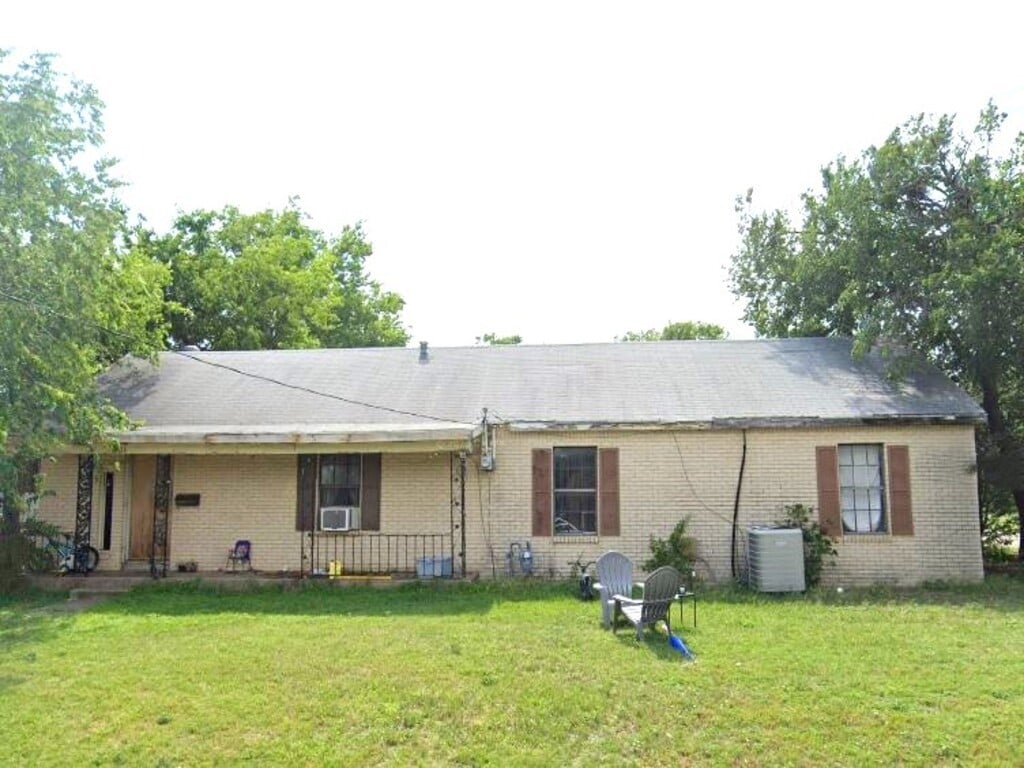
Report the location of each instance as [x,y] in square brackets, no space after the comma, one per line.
[575,491]
[864,489]
[338,480]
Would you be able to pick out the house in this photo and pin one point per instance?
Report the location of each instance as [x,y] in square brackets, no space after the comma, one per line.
[466,459]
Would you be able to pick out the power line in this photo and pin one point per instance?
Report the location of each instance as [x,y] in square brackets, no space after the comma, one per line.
[268,379]
[308,390]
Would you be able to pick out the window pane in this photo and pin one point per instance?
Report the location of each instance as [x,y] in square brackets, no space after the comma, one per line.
[847,499]
[845,476]
[877,523]
[849,520]
[575,512]
[340,480]
[336,496]
[575,468]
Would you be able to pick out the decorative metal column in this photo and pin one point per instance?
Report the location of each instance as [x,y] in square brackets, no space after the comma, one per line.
[83,510]
[161,514]
[457,485]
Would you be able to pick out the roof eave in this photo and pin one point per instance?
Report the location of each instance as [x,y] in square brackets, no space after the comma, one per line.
[742,422]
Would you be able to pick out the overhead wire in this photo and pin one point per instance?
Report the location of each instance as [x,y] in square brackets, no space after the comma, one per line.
[39,306]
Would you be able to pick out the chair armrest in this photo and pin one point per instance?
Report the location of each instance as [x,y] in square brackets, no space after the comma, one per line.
[622,599]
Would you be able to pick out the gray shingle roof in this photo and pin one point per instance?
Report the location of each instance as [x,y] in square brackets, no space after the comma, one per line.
[699,383]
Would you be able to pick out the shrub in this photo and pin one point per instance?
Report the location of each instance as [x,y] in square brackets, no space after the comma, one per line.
[679,550]
[817,546]
[22,548]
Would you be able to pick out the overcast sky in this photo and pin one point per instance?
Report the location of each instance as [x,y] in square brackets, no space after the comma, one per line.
[564,171]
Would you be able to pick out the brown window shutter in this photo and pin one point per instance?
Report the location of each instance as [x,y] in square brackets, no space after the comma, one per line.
[305,503]
[542,492]
[900,518]
[828,490]
[608,483]
[369,494]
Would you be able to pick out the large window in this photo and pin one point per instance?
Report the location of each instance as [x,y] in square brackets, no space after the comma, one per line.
[861,489]
[575,491]
[339,480]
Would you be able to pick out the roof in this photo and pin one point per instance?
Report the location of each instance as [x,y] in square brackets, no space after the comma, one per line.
[341,395]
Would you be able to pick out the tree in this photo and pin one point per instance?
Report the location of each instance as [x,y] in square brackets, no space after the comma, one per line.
[71,301]
[494,340]
[270,281]
[918,243]
[688,329]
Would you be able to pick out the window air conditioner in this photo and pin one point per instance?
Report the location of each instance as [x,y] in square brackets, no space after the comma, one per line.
[339,518]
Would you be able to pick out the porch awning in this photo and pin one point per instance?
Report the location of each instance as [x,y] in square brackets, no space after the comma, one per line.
[298,438]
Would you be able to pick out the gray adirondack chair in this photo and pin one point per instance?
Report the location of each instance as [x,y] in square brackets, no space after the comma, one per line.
[614,577]
[660,590]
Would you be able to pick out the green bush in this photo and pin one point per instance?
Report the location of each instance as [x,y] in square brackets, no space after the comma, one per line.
[22,549]
[679,550]
[817,546]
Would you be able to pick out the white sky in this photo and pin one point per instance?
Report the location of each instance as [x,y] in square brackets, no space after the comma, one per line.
[565,171]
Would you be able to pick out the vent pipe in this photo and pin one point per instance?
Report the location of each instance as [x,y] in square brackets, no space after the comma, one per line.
[424,356]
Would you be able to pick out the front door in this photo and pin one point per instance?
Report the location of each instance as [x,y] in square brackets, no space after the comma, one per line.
[143,494]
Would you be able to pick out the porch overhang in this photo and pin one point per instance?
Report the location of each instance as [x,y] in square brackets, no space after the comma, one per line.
[299,438]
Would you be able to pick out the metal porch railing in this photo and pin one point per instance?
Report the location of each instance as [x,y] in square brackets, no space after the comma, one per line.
[361,554]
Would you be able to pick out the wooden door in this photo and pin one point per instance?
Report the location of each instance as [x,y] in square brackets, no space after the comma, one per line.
[143,494]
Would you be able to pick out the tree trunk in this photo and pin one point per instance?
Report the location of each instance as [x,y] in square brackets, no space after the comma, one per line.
[1005,443]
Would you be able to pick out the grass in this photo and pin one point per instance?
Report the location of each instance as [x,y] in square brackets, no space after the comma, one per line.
[512,674]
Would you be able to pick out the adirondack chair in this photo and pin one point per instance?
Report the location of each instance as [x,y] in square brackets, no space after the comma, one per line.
[614,577]
[660,590]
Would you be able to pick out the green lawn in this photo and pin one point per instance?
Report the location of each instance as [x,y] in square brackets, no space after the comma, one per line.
[512,674]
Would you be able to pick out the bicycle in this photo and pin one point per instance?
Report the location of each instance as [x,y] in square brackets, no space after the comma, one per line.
[579,569]
[64,557]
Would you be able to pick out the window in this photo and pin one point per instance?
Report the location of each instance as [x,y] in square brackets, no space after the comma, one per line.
[575,491]
[339,480]
[345,480]
[861,490]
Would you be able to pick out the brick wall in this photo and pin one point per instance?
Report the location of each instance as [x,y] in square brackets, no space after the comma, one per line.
[664,476]
[60,500]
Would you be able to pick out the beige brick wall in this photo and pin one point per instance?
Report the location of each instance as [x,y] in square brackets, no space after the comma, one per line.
[60,501]
[253,497]
[246,497]
[664,476]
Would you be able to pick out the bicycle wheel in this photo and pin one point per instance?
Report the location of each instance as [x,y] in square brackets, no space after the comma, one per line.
[91,559]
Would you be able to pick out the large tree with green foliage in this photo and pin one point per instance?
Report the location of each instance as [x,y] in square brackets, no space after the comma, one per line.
[920,242]
[686,330]
[269,280]
[71,301]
